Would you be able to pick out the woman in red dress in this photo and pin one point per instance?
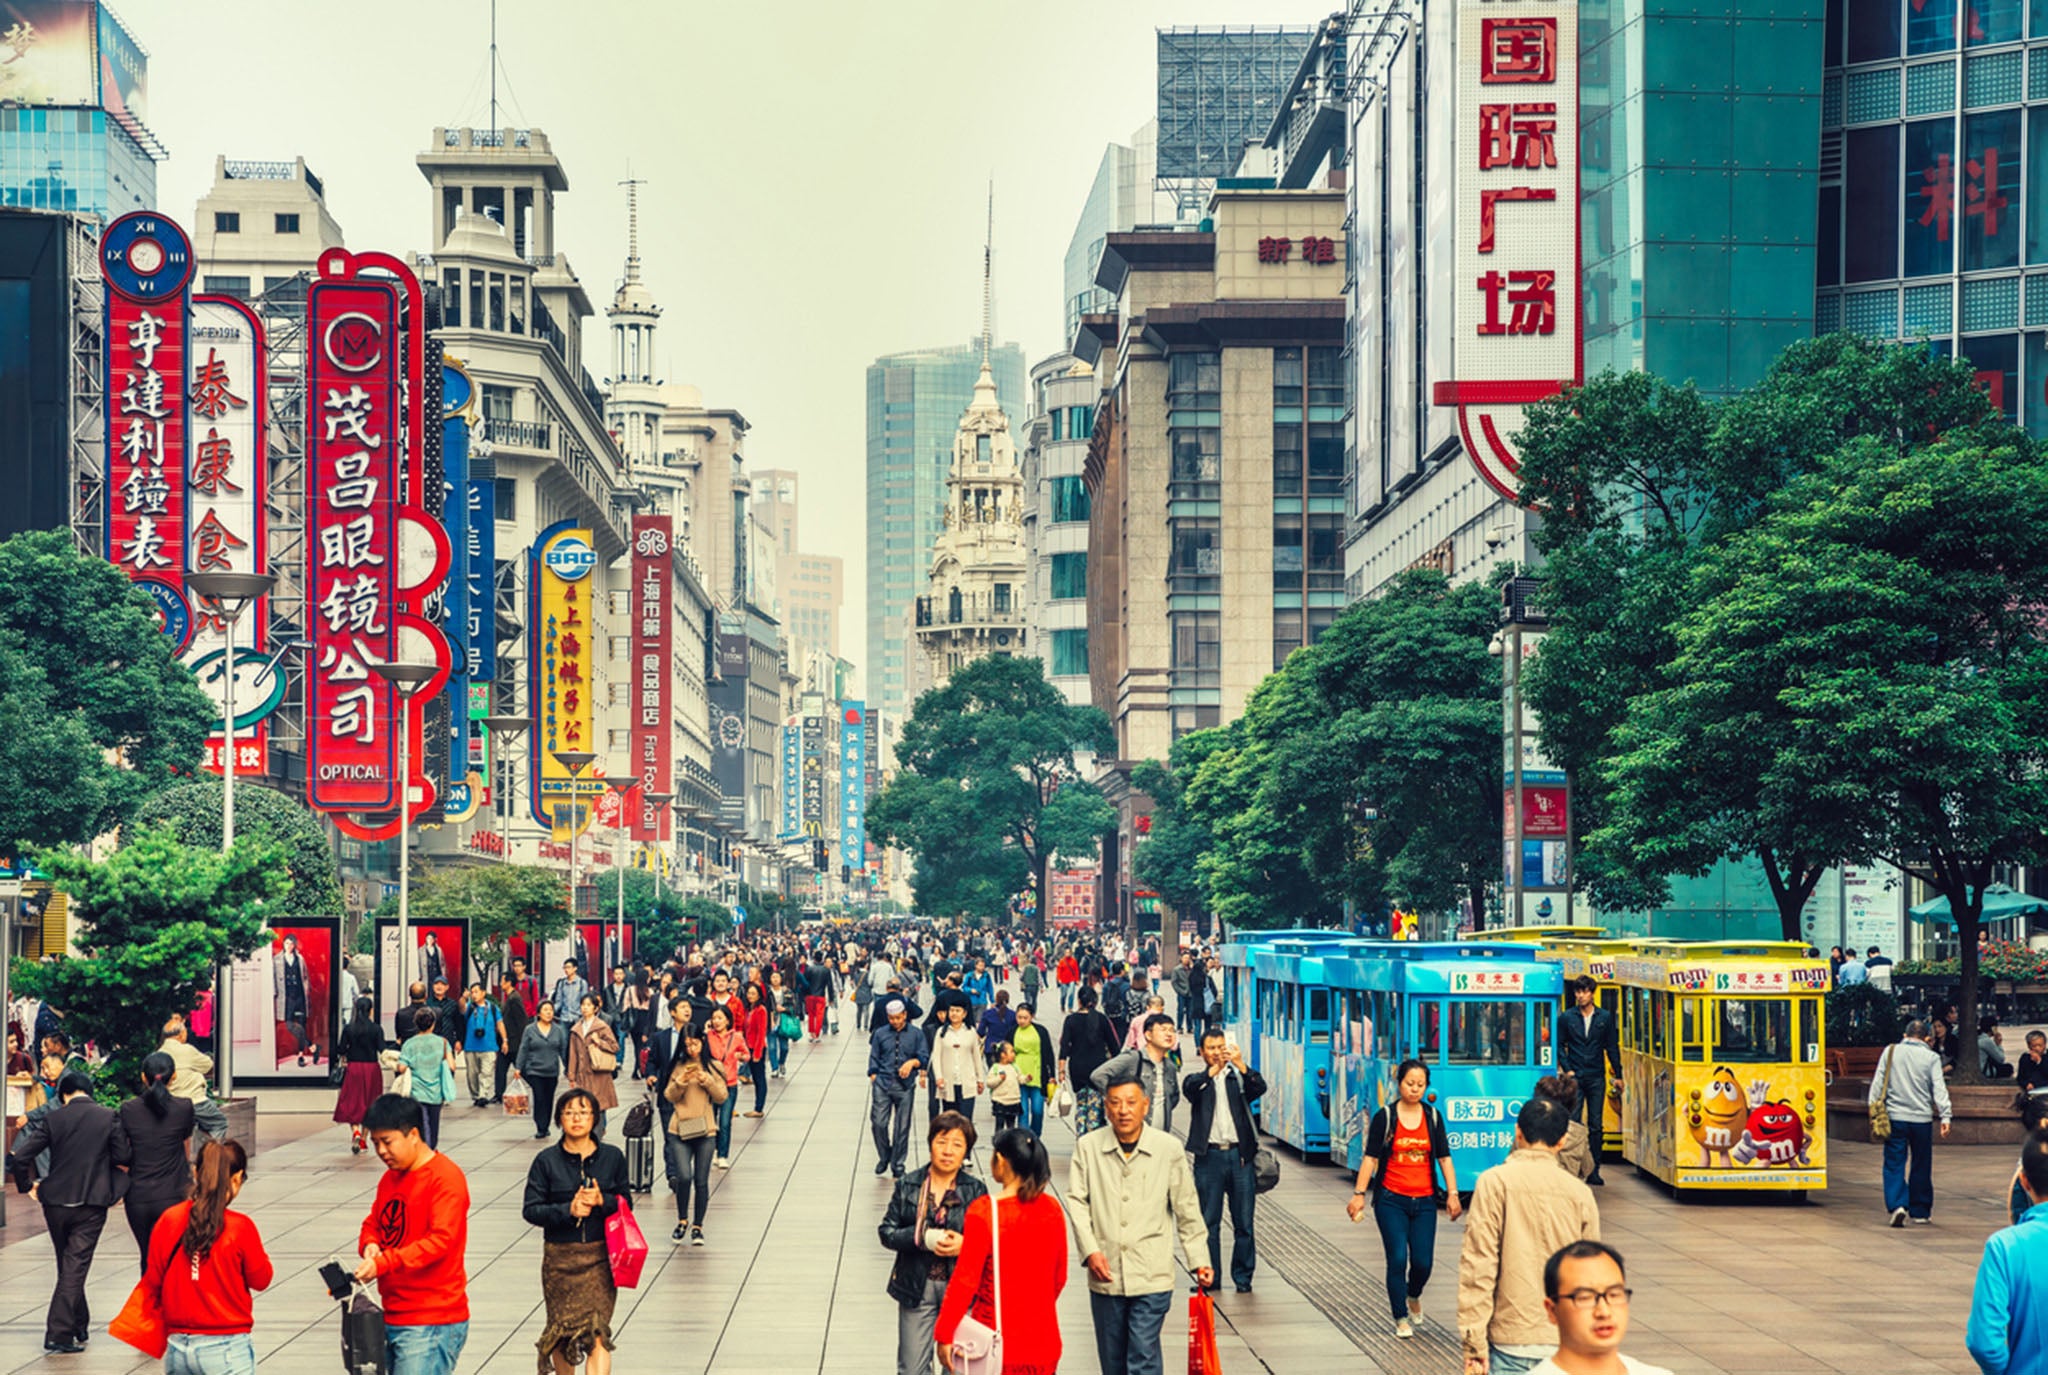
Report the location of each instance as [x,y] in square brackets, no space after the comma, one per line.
[1032,1235]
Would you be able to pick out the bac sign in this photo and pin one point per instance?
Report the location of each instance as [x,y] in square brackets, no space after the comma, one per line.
[1518,331]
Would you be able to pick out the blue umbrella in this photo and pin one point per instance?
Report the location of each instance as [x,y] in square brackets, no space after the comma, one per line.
[2000,902]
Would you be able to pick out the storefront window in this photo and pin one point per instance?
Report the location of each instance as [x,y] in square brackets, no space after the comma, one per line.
[1928,224]
[1983,191]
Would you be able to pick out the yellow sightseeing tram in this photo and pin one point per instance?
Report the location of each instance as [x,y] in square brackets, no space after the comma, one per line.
[1595,958]
[1721,1056]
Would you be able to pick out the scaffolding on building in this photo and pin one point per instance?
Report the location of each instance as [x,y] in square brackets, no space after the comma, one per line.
[87,430]
[1218,89]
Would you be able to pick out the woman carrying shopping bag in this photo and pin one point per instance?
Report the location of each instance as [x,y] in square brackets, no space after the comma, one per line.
[571,1188]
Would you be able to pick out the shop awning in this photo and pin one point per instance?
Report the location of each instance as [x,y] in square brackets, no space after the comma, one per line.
[2000,902]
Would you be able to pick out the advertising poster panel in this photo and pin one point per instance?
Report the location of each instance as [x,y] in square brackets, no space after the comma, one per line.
[47,52]
[440,950]
[561,596]
[290,998]
[653,594]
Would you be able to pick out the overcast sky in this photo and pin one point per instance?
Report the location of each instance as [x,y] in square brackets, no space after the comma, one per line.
[817,171]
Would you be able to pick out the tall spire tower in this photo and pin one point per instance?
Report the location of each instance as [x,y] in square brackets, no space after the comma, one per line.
[633,403]
[976,590]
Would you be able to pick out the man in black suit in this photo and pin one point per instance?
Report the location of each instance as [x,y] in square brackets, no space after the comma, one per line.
[1223,1146]
[1587,1046]
[85,1142]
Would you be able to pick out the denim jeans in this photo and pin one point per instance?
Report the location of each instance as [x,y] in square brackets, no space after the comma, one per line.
[1499,1362]
[1912,1190]
[430,1120]
[1127,1330]
[1222,1174]
[1032,1101]
[190,1353]
[778,1051]
[1408,1232]
[732,1096]
[425,1350]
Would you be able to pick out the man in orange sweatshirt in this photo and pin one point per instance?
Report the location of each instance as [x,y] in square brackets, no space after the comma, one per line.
[413,1241]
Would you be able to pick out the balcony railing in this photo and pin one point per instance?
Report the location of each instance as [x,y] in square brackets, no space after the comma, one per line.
[970,609]
[521,434]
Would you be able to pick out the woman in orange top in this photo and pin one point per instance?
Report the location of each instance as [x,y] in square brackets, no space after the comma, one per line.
[1031,1231]
[1403,1148]
[728,1048]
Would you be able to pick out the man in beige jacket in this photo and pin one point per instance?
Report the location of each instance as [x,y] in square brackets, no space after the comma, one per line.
[1524,1210]
[1130,1192]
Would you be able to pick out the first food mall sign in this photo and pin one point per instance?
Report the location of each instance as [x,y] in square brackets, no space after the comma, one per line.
[1519,333]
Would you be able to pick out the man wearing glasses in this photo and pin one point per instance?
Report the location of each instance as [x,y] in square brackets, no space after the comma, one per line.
[1524,1210]
[1586,1296]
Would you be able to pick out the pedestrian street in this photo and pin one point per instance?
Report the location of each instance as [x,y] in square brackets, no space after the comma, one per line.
[792,1276]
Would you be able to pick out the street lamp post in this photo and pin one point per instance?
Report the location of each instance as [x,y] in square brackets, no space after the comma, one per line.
[406,678]
[575,761]
[504,730]
[233,593]
[661,802]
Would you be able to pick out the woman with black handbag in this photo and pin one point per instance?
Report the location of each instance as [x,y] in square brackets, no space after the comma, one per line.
[571,1188]
[1405,1145]
[925,1225]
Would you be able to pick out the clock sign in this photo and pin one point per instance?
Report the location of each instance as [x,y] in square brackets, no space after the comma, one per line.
[146,257]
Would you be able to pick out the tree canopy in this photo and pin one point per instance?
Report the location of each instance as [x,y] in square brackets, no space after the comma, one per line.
[987,793]
[192,810]
[498,900]
[153,921]
[96,711]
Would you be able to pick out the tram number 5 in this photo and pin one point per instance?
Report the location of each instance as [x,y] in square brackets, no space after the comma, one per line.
[1543,1055]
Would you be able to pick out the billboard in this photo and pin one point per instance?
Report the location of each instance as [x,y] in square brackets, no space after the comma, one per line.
[562,594]
[352,451]
[290,999]
[653,602]
[792,781]
[124,74]
[729,730]
[1517,319]
[146,261]
[225,488]
[35,382]
[853,785]
[47,52]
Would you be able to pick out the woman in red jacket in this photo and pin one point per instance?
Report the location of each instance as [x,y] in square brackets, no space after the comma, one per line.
[204,1263]
[1031,1240]
[1067,974]
[754,1027]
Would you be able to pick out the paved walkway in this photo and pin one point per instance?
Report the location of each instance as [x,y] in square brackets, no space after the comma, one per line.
[793,1277]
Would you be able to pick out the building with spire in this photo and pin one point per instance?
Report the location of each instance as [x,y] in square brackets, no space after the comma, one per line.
[633,402]
[976,592]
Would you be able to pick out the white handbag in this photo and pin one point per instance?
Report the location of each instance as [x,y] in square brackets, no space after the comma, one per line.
[977,1347]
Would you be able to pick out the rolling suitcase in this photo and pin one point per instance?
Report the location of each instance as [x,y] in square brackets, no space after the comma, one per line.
[640,1164]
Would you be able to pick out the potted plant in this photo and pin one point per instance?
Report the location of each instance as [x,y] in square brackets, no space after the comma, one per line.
[1862,1020]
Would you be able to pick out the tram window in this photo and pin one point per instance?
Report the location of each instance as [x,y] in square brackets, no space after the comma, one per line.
[1809,1030]
[1318,1000]
[1428,1030]
[1754,1030]
[1692,1039]
[1660,1025]
[1545,1054]
[1488,1034]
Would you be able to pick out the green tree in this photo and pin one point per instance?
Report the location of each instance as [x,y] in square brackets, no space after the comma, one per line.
[193,812]
[154,921]
[498,900]
[659,928]
[713,918]
[987,795]
[1168,860]
[97,713]
[1894,603]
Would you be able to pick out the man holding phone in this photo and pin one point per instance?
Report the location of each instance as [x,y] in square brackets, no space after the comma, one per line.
[413,1241]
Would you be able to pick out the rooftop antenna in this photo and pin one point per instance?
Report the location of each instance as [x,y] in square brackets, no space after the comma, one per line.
[988,251]
[494,66]
[632,185]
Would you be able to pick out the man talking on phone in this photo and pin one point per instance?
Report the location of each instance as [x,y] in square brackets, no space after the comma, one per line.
[1223,1144]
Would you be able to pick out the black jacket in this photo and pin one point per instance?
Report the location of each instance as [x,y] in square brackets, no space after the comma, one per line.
[1086,1040]
[551,1184]
[1588,1053]
[158,1166]
[360,1043]
[914,1265]
[1199,1090]
[401,1020]
[2032,1074]
[85,1142]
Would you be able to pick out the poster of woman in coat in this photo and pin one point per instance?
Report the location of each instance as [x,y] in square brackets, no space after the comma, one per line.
[284,1004]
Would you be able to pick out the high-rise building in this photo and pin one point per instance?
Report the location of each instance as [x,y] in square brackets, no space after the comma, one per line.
[74,101]
[1064,392]
[1214,473]
[1218,89]
[811,588]
[1121,198]
[976,588]
[914,404]
[260,228]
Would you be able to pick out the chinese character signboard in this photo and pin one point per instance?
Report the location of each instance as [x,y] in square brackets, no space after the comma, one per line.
[1518,329]
[146,261]
[455,609]
[352,460]
[812,794]
[562,620]
[224,504]
[792,781]
[652,612]
[853,785]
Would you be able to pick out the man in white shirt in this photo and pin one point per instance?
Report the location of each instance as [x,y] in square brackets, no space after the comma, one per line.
[1223,1144]
[1586,1294]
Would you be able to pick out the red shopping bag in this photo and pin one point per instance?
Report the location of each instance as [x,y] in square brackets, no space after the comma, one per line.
[1203,1358]
[626,1244]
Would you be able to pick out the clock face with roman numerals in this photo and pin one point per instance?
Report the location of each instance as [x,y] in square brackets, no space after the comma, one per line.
[146,256]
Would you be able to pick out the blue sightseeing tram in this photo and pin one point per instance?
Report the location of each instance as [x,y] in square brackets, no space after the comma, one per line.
[1479,1014]
[1294,1041]
[1241,996]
